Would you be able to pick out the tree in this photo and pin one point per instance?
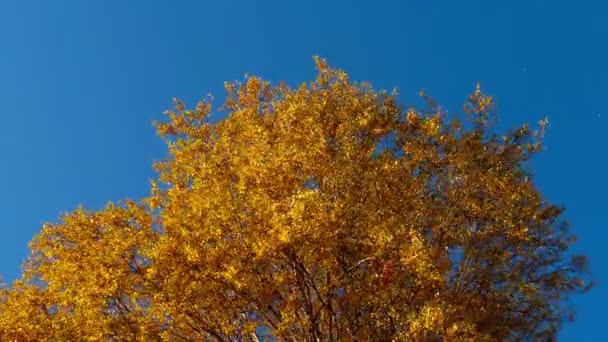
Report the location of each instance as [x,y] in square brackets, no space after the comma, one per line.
[325,212]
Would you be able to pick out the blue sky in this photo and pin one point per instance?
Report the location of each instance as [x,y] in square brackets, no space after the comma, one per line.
[81,82]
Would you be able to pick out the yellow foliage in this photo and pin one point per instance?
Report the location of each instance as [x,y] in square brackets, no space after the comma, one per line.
[322,213]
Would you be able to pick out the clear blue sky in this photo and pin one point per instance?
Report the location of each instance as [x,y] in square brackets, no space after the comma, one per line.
[81,82]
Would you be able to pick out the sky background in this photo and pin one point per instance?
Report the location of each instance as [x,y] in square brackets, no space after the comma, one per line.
[81,82]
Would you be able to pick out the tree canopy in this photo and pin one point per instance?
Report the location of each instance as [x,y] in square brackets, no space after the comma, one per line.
[324,212]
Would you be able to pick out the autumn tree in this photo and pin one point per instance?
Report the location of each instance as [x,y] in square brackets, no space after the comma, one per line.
[325,212]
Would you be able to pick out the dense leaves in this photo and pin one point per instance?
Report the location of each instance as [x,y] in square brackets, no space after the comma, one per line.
[322,213]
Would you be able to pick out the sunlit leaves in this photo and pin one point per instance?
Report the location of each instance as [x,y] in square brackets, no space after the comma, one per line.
[321,212]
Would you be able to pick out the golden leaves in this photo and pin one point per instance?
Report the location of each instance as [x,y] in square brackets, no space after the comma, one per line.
[285,215]
[412,117]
